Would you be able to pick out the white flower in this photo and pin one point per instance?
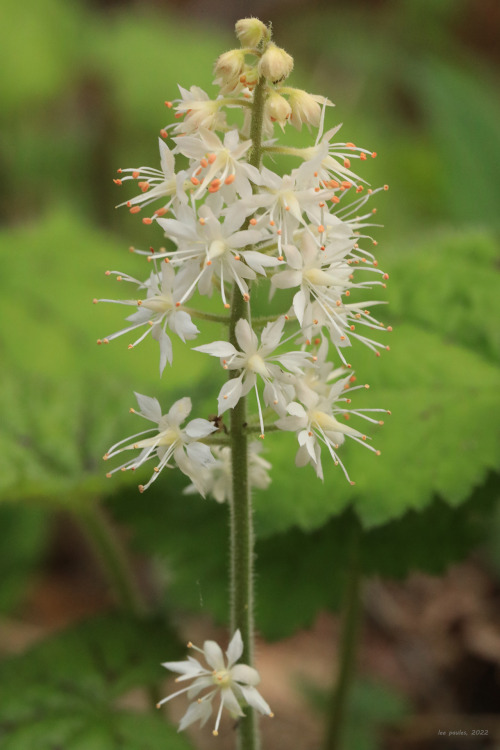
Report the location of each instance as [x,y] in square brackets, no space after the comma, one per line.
[254,359]
[316,422]
[214,248]
[169,443]
[155,184]
[199,111]
[217,165]
[159,309]
[218,476]
[325,276]
[233,683]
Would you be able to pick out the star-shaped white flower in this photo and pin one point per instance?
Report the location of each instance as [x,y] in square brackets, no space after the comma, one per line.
[197,110]
[170,443]
[159,309]
[213,248]
[234,684]
[218,165]
[155,183]
[257,359]
[316,422]
[218,476]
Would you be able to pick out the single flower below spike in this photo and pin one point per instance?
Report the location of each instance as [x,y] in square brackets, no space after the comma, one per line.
[234,684]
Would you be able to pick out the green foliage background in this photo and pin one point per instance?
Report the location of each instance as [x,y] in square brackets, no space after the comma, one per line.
[84,95]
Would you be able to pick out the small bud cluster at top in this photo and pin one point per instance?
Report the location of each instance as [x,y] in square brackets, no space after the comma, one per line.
[230,221]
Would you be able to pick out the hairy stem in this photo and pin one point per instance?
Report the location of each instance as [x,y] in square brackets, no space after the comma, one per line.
[241,521]
[351,613]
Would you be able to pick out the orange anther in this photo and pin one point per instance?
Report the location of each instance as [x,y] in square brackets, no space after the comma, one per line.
[211,158]
[202,222]
[117,182]
[386,187]
[147,220]
[362,156]
[135,209]
[374,154]
[135,174]
[335,199]
[204,163]
[160,211]
[350,145]
[347,163]
[230,179]
[346,185]
[163,133]
[321,228]
[168,104]
[253,222]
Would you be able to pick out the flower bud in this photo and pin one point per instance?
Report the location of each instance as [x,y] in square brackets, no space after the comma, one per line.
[306,108]
[250,31]
[229,65]
[275,64]
[277,108]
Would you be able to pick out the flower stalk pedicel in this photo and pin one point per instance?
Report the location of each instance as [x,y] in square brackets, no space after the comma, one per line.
[231,221]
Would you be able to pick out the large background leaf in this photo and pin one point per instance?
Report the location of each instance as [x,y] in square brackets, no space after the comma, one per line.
[65,691]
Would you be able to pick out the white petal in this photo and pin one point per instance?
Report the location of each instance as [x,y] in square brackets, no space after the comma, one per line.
[149,407]
[200,453]
[254,699]
[230,702]
[217,349]
[297,410]
[245,674]
[271,335]
[245,337]
[213,655]
[235,649]
[196,712]
[286,279]
[198,428]
[299,305]
[191,667]
[230,394]
[180,410]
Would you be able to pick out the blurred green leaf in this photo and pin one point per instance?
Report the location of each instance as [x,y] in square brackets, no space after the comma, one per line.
[39,51]
[303,571]
[64,691]
[462,114]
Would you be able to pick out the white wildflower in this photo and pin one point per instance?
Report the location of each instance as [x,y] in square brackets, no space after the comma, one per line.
[316,421]
[170,443]
[218,165]
[254,359]
[159,309]
[234,684]
[217,476]
[155,184]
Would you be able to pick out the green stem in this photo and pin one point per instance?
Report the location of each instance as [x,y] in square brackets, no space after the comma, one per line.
[113,559]
[351,621]
[205,315]
[241,521]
